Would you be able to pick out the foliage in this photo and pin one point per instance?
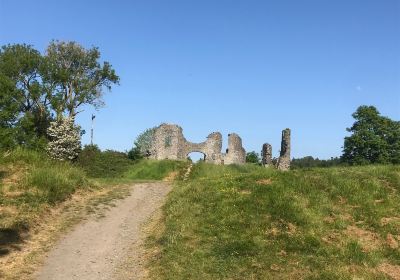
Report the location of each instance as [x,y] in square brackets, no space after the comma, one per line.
[65,139]
[75,77]
[24,111]
[34,87]
[248,222]
[309,162]
[144,142]
[374,139]
[253,157]
[135,153]
[107,164]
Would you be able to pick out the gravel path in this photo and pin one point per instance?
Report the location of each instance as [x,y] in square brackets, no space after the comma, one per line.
[97,248]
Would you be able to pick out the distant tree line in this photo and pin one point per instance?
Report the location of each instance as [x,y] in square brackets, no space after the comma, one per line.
[309,162]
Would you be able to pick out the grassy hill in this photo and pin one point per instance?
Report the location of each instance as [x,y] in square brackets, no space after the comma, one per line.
[32,187]
[247,222]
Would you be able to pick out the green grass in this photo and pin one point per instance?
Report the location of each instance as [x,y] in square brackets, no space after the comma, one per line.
[31,184]
[154,169]
[247,222]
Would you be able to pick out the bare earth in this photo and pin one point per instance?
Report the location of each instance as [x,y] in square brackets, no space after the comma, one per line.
[101,248]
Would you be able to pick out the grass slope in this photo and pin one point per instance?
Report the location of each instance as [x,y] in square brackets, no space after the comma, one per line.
[155,169]
[31,185]
[247,222]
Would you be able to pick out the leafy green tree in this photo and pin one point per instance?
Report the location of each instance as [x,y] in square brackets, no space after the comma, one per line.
[374,139]
[24,109]
[144,141]
[135,153]
[252,157]
[73,76]
[34,87]
[143,145]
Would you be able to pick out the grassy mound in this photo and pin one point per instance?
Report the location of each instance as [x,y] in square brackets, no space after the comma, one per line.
[247,222]
[30,183]
[154,169]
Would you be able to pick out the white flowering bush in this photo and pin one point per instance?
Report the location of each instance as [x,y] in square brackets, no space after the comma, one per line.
[65,139]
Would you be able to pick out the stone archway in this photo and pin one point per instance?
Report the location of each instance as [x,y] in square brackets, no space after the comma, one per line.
[196,156]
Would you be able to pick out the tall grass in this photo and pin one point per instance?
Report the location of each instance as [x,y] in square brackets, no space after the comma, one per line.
[247,222]
[154,169]
[30,184]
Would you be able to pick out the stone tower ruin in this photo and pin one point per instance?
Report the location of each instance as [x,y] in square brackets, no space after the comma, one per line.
[283,162]
[284,158]
[266,155]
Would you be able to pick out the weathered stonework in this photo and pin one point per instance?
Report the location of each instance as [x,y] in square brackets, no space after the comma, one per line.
[284,158]
[169,143]
[235,152]
[266,154]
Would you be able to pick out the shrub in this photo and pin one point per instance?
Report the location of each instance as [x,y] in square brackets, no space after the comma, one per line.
[105,164]
[65,139]
[253,157]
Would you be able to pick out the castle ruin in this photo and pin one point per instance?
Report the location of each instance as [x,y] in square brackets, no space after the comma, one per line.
[169,143]
[283,162]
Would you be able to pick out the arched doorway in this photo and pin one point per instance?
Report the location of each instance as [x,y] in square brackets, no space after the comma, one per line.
[196,156]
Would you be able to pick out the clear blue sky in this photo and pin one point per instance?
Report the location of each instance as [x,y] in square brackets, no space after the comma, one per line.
[250,67]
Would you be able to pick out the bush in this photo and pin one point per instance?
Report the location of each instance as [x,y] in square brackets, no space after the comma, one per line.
[105,164]
[253,157]
[65,140]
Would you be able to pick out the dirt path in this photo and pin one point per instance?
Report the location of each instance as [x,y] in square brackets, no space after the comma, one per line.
[98,248]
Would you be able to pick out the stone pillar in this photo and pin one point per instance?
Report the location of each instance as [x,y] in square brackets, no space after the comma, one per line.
[235,152]
[266,154]
[284,158]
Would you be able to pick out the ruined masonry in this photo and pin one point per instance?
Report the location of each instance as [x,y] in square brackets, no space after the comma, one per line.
[169,143]
[283,162]
[266,155]
[284,158]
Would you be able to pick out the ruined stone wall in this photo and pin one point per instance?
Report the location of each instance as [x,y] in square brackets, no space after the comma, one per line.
[211,148]
[235,153]
[169,143]
[284,158]
[266,155]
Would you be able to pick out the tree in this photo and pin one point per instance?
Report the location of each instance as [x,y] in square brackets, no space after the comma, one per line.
[74,76]
[144,142]
[65,139]
[252,157]
[374,139]
[135,153]
[23,104]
